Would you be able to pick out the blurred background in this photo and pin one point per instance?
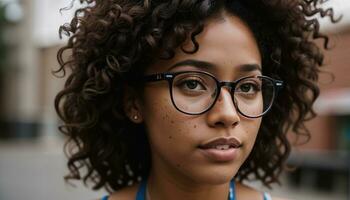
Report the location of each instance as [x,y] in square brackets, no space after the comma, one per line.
[32,162]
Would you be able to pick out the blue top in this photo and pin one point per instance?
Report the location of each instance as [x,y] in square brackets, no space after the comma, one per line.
[141,193]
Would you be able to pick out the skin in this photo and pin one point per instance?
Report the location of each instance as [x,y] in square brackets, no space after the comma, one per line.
[179,169]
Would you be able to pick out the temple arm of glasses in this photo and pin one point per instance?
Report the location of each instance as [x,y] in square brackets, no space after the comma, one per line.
[153,77]
[157,77]
[279,85]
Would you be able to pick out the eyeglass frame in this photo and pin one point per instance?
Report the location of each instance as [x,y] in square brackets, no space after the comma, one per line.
[170,76]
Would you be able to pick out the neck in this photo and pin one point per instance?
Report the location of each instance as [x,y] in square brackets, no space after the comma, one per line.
[171,187]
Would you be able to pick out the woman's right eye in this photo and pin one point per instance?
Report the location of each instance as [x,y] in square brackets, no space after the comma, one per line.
[191,85]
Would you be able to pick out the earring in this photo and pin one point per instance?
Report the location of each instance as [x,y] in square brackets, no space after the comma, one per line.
[135,117]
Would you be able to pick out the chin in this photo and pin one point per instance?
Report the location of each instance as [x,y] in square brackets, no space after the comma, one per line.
[218,180]
[215,179]
[215,175]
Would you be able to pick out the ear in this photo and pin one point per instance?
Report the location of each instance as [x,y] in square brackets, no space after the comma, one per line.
[132,105]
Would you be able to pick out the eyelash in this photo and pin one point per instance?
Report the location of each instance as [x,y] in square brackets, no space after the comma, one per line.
[186,80]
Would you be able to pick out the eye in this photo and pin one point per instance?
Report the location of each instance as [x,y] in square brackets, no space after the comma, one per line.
[191,84]
[248,87]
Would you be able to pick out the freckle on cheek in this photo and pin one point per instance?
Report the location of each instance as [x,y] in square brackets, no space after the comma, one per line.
[195,126]
[170,137]
[172,121]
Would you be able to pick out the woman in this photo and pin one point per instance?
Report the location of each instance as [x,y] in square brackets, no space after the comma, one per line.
[187,99]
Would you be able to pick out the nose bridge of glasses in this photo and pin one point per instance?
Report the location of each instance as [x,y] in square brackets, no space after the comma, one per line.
[230,85]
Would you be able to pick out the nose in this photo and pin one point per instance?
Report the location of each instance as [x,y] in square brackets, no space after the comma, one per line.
[224,112]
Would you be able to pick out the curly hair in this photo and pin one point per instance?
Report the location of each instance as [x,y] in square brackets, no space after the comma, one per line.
[113,40]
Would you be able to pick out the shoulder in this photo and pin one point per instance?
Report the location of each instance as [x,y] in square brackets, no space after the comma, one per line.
[247,192]
[127,193]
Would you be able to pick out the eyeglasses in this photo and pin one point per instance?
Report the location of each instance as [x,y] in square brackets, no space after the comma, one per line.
[195,92]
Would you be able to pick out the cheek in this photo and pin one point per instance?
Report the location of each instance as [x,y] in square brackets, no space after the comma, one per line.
[165,125]
[251,131]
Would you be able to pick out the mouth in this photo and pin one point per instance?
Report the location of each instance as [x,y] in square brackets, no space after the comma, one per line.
[221,149]
[222,144]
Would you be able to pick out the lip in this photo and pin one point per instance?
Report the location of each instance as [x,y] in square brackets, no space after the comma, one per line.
[209,149]
[232,142]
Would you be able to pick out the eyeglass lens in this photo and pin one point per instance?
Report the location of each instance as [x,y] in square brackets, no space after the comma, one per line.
[195,93]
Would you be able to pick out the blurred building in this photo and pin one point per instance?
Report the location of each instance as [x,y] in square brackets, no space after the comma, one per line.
[324,161]
[28,86]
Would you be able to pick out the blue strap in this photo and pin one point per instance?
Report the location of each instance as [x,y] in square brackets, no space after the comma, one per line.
[232,191]
[267,196]
[105,198]
[141,193]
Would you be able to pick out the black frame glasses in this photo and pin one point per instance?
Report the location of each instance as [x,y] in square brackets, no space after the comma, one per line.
[170,76]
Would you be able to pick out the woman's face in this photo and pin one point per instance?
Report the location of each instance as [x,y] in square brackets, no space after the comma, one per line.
[177,140]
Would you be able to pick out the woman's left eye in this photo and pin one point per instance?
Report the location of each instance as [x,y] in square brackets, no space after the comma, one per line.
[248,88]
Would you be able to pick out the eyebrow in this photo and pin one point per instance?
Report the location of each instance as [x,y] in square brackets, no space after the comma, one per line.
[207,65]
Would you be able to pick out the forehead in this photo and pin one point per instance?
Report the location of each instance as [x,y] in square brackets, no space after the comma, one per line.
[227,42]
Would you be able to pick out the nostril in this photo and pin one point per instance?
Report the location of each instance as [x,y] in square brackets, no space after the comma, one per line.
[219,124]
[223,124]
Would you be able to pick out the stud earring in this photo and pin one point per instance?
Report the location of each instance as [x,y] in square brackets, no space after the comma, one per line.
[135,117]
